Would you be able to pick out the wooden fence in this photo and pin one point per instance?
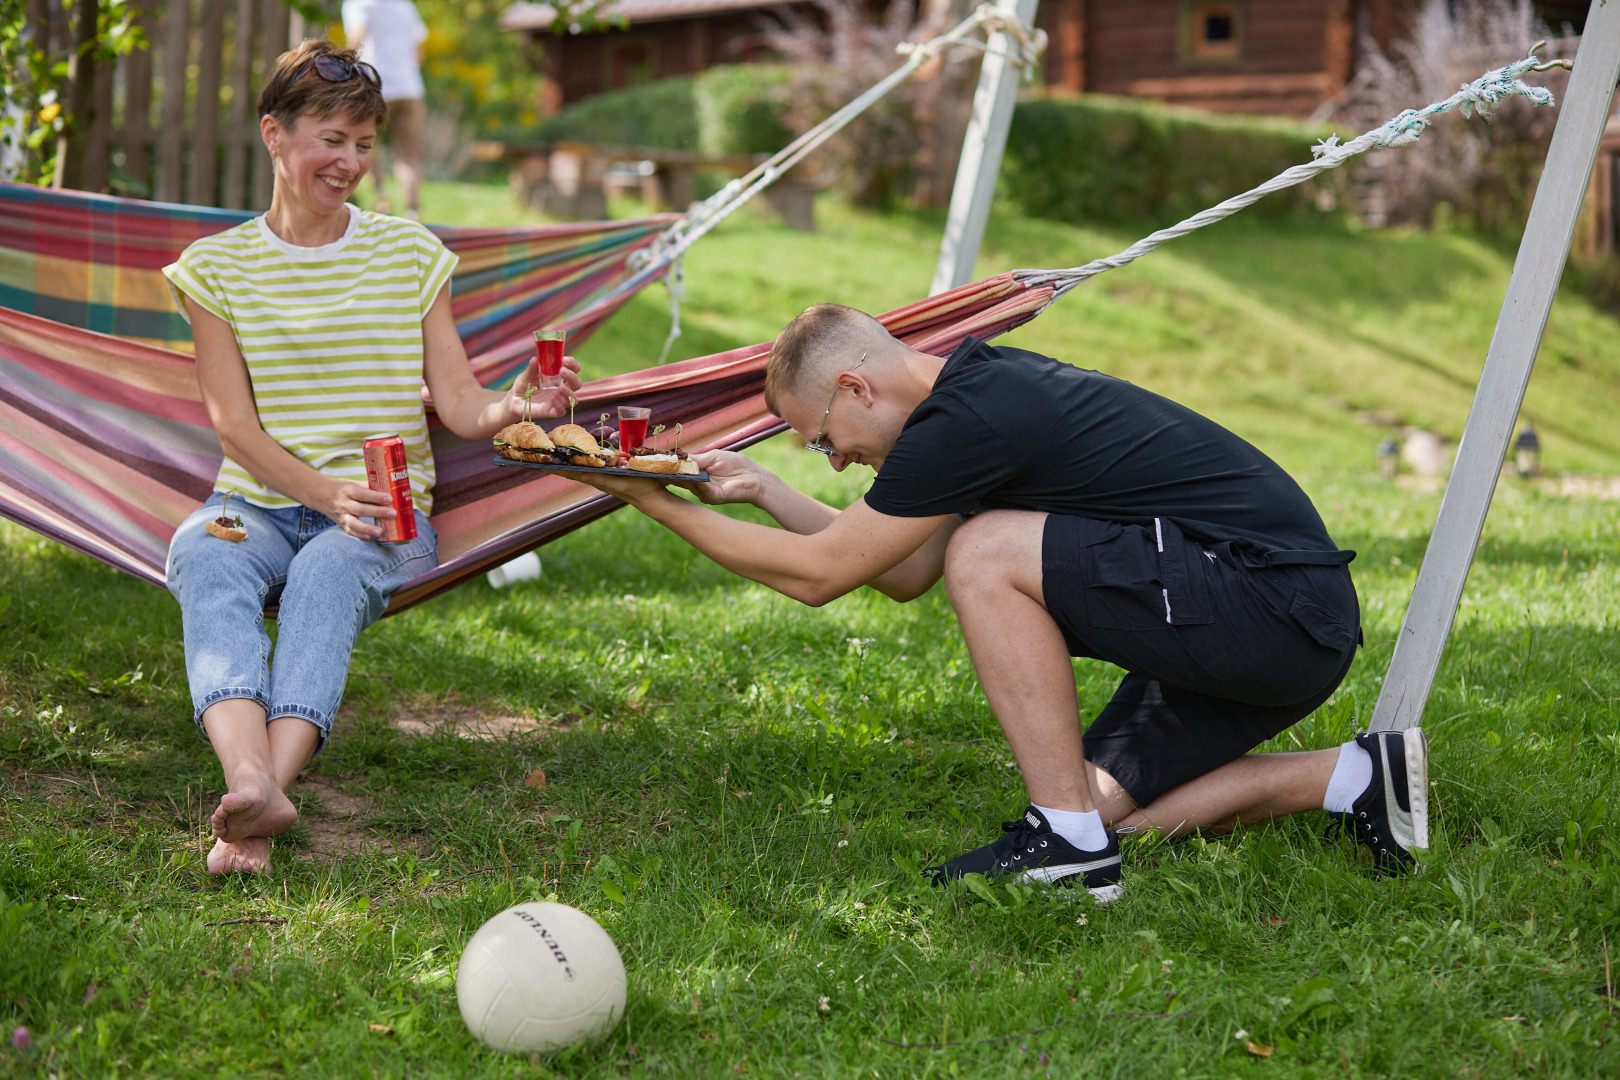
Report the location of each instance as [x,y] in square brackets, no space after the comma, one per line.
[178,120]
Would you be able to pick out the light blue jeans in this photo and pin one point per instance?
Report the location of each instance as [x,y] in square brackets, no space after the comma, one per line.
[330,587]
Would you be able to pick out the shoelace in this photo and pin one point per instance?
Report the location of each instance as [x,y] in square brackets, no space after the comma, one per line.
[1025,838]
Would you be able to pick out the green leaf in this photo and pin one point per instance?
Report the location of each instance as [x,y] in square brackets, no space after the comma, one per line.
[980,887]
[1138,980]
[1183,887]
[5,602]
[1314,998]
[611,890]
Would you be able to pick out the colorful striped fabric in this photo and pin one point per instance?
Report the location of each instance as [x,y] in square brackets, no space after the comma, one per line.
[94,262]
[105,445]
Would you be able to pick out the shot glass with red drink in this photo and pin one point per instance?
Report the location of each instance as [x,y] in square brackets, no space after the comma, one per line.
[633,423]
[548,346]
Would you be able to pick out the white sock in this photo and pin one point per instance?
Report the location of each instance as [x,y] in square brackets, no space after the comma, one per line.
[1083,829]
[1350,778]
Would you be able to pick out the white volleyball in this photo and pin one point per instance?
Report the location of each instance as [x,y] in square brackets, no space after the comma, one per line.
[540,976]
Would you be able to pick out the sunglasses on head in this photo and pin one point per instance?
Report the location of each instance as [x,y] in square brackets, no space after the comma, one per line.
[336,69]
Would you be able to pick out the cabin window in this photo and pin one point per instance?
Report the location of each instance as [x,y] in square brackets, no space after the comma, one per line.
[1213,31]
[630,62]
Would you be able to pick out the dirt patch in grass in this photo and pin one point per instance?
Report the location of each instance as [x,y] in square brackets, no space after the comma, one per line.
[335,821]
[462,721]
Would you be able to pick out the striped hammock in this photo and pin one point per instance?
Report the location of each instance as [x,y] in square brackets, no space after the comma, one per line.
[105,444]
[95,262]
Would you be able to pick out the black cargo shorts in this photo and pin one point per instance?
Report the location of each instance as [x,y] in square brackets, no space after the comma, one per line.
[1219,656]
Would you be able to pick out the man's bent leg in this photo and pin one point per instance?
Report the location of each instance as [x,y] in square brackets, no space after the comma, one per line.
[1255,787]
[993,572]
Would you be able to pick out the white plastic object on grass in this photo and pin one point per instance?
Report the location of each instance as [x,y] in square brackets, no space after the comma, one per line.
[538,977]
[526,567]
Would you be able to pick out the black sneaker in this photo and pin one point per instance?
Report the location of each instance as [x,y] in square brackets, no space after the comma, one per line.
[1391,817]
[1030,851]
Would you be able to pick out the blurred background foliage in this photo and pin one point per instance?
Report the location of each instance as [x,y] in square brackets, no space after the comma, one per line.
[474,70]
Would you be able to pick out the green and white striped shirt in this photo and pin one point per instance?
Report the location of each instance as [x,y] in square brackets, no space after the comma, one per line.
[332,337]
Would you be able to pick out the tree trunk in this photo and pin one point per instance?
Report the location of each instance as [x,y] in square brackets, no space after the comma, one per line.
[80,110]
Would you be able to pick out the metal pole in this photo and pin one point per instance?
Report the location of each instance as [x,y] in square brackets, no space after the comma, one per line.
[986,138]
[1530,292]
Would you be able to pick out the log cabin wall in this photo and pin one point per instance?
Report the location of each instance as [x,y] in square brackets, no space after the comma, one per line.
[581,66]
[1276,57]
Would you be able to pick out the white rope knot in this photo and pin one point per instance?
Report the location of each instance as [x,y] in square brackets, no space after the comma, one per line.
[1403,130]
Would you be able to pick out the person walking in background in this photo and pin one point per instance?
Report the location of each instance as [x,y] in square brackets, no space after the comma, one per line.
[388,34]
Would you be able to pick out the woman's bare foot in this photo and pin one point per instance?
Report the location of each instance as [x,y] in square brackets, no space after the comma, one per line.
[253,809]
[248,856]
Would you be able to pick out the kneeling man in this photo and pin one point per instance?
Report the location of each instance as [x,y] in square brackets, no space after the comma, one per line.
[1074,514]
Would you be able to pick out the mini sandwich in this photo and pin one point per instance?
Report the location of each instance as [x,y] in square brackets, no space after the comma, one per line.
[576,446]
[524,441]
[665,464]
[227,527]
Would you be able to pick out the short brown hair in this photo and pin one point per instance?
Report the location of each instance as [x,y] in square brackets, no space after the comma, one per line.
[820,329]
[292,90]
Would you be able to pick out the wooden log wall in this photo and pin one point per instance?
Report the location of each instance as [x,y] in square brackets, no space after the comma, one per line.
[178,120]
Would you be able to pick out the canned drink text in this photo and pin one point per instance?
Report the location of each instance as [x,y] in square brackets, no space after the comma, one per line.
[386,472]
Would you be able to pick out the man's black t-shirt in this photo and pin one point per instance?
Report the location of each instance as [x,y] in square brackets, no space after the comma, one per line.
[1010,429]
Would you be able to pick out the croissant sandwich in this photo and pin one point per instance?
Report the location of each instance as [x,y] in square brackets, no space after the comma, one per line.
[576,446]
[524,441]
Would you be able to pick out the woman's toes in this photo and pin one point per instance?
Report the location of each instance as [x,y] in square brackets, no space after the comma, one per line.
[249,856]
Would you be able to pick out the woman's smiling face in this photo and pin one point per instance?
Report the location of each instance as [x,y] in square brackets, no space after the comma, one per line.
[320,160]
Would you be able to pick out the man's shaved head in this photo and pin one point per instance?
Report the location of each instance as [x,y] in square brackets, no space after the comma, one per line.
[824,340]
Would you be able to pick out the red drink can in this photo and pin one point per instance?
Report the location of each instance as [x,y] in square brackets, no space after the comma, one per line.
[386,472]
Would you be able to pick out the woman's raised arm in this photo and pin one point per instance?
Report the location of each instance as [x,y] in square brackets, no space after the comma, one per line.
[467,408]
[227,393]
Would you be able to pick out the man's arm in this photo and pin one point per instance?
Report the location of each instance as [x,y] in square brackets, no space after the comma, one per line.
[735,478]
[856,548]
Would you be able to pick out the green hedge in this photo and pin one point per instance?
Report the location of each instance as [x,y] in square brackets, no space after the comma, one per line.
[733,109]
[1107,159]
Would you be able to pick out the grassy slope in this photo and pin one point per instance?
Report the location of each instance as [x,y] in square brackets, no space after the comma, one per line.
[714,725]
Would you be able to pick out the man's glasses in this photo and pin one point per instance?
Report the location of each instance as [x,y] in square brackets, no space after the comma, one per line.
[819,446]
[336,69]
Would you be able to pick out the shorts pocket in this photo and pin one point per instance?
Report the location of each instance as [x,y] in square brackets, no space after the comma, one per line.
[1325,628]
[1124,590]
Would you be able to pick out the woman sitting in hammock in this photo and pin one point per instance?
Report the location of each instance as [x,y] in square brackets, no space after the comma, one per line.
[315,327]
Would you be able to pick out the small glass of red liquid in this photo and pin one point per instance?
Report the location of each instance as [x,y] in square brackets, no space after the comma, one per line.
[548,346]
[633,427]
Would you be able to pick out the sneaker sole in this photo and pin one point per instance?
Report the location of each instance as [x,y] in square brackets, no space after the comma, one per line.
[1058,875]
[1416,745]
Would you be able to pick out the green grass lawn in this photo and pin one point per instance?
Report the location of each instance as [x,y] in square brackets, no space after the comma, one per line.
[738,787]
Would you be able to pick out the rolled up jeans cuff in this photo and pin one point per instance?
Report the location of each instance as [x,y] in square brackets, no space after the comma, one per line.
[224,693]
[322,722]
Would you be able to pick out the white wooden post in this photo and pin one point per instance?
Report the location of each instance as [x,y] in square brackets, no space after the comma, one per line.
[1530,291]
[986,138]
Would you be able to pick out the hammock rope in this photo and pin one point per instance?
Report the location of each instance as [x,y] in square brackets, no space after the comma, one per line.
[1484,95]
[670,248]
